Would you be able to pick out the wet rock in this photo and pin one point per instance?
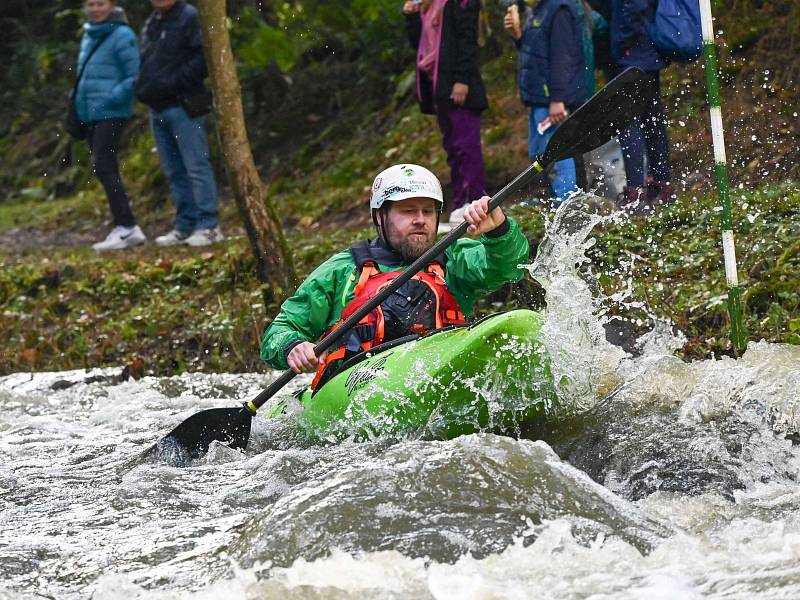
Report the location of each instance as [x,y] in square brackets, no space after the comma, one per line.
[64,384]
[624,334]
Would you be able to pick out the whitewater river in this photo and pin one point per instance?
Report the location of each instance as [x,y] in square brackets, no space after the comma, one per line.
[664,480]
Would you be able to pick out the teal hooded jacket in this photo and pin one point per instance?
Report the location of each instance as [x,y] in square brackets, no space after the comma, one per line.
[105,90]
[473,269]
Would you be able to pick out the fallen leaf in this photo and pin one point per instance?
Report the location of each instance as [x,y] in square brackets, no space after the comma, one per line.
[136,367]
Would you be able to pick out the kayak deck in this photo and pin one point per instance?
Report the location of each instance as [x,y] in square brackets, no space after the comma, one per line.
[493,375]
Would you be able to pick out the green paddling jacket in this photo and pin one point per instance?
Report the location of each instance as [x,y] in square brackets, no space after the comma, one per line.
[473,269]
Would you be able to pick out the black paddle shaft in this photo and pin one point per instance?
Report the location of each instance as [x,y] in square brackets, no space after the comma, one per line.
[603,116]
[420,263]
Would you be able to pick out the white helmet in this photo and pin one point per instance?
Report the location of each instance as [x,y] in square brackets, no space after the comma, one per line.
[405,181]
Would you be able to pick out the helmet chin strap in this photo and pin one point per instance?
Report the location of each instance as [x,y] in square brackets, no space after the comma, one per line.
[378,217]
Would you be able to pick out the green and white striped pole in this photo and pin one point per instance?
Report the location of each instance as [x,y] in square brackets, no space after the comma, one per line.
[738,333]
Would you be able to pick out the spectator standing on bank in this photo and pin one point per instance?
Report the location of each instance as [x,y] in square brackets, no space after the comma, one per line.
[631,46]
[553,78]
[449,85]
[108,62]
[171,84]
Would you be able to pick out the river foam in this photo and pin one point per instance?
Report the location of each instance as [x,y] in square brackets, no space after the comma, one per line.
[655,478]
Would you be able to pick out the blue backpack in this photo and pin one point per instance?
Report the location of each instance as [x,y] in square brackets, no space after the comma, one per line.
[676,29]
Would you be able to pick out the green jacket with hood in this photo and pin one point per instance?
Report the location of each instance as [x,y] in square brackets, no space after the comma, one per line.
[473,269]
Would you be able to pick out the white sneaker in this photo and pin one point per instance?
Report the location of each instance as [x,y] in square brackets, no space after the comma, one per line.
[457,216]
[173,238]
[204,237]
[121,237]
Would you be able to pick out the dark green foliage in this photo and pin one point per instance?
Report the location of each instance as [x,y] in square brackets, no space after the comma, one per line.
[314,71]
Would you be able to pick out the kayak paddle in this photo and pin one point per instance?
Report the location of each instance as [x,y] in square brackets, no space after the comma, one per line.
[603,116]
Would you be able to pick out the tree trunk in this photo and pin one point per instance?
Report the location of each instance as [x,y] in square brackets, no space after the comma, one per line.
[273,260]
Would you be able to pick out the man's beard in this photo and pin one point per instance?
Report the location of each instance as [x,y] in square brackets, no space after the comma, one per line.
[409,248]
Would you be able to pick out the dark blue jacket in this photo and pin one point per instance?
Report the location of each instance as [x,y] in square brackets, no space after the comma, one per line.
[173,65]
[552,67]
[631,45]
[105,90]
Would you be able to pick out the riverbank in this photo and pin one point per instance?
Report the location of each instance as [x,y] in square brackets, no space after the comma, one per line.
[165,311]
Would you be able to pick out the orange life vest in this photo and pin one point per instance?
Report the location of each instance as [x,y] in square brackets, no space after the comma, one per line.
[422,304]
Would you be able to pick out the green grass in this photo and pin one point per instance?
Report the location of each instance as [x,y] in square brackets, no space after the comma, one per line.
[163,311]
[675,263]
[166,311]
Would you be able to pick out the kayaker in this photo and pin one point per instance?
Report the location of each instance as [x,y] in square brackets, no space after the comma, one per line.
[406,203]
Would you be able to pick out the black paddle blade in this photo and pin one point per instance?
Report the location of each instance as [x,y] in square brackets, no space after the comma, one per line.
[603,116]
[190,440]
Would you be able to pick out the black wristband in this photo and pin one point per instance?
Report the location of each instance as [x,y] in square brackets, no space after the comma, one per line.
[500,230]
[288,347]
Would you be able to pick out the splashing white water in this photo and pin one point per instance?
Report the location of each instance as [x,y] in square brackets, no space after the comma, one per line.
[586,367]
[583,363]
[763,385]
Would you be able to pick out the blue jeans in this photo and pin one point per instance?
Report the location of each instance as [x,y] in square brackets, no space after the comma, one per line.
[564,178]
[644,143]
[183,150]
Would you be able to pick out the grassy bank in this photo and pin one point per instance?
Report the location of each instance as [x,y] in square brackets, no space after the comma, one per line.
[167,310]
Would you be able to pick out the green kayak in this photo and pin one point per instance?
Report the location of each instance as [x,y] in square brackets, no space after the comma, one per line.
[492,375]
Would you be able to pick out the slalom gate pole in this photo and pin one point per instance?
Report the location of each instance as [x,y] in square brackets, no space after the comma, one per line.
[738,332]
